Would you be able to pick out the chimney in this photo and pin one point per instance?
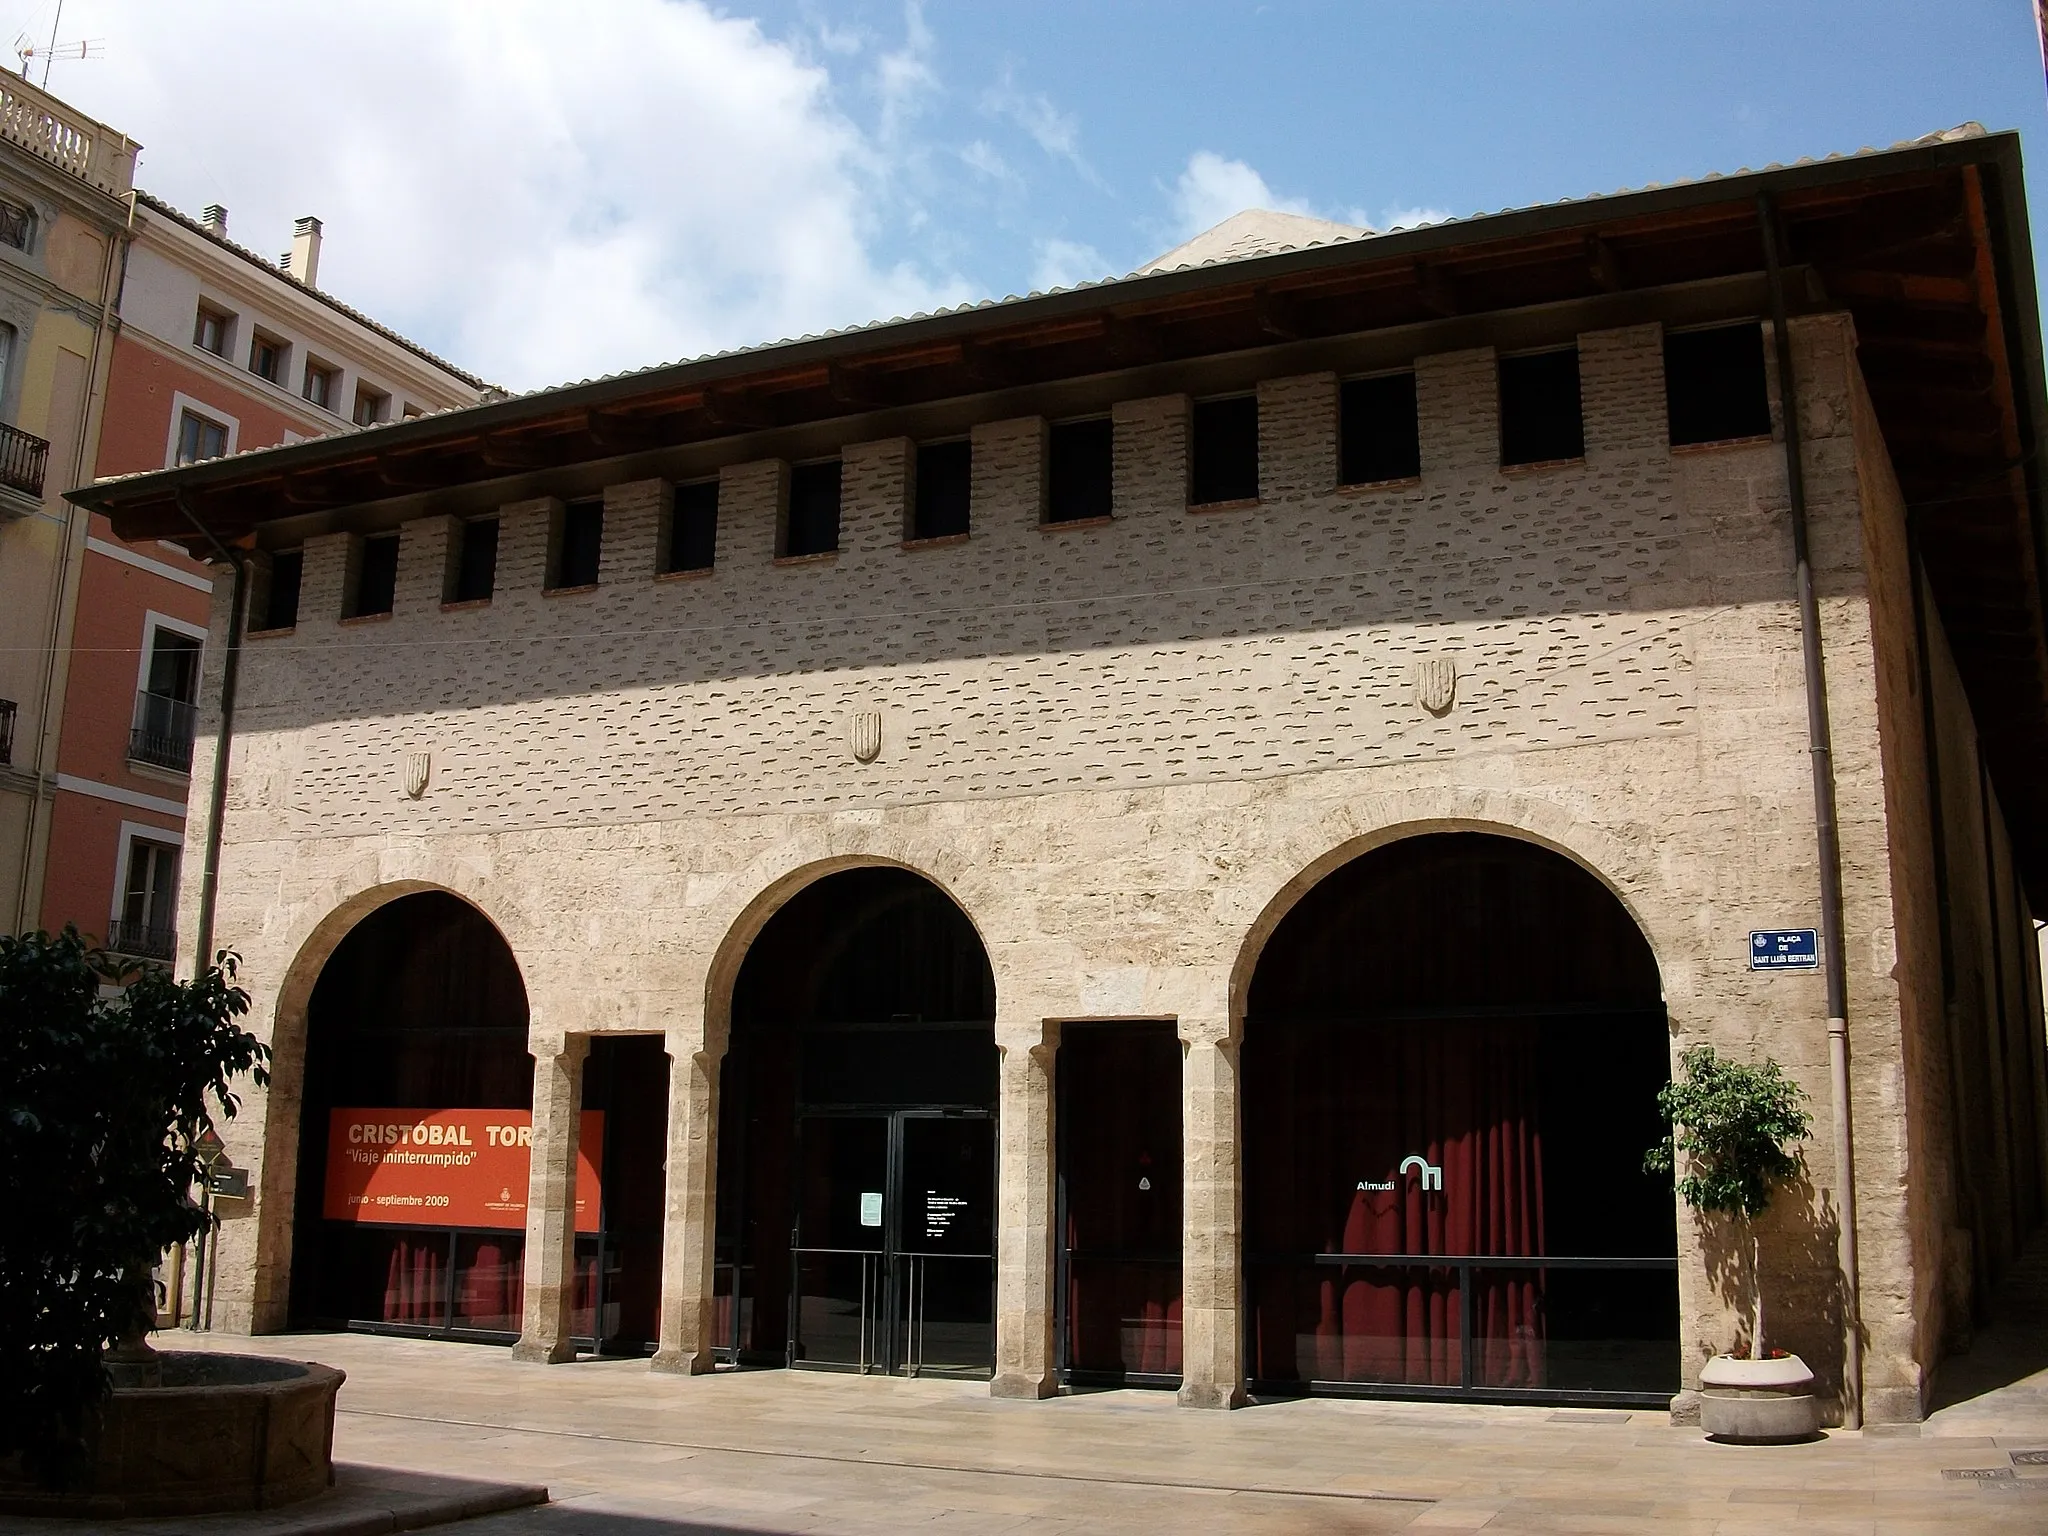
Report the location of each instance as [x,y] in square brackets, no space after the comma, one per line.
[304,262]
[215,218]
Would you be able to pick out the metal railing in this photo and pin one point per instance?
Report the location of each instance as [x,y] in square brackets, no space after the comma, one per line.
[23,459]
[162,732]
[142,941]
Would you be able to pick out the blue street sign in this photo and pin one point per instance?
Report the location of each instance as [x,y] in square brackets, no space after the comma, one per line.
[1784,949]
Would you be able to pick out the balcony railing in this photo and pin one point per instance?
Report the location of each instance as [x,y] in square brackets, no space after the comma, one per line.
[23,458]
[68,140]
[142,941]
[162,732]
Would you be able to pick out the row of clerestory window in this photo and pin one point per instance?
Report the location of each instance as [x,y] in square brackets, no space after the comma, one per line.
[1715,391]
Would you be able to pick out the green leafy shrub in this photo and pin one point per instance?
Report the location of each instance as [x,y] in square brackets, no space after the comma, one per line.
[107,1079]
[1733,1125]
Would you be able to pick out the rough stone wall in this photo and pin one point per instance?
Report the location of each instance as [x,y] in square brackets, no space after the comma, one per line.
[1123,748]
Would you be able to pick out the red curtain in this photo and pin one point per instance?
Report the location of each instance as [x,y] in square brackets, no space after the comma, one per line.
[1415,1137]
[490,1281]
[1120,1162]
[415,1280]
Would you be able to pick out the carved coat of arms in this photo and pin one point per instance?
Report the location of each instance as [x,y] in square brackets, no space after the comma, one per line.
[864,734]
[1436,683]
[418,766]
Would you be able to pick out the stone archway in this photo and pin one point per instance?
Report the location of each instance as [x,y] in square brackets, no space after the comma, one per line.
[1450,1049]
[418,1005]
[856,1184]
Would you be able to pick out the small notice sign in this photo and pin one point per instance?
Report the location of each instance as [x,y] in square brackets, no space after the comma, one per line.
[1784,949]
[871,1208]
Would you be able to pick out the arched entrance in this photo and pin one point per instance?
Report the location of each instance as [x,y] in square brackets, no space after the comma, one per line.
[414,1142]
[856,1198]
[1452,1048]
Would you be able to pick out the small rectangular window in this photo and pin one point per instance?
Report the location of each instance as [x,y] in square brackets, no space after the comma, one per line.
[281,601]
[579,544]
[321,383]
[476,561]
[17,225]
[376,576]
[1540,416]
[266,358]
[210,331]
[371,406]
[812,527]
[945,490]
[1224,451]
[693,528]
[1079,470]
[149,902]
[1714,385]
[173,666]
[1378,435]
[200,439]
[161,729]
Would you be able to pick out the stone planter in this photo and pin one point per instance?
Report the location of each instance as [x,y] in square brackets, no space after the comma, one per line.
[1758,1402]
[222,1432]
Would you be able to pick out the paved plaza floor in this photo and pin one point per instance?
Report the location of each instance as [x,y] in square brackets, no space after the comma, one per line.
[629,1453]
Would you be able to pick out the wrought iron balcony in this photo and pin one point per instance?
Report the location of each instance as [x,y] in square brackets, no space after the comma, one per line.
[23,458]
[162,732]
[141,941]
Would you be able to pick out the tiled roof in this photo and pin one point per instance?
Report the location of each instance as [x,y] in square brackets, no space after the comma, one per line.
[1228,256]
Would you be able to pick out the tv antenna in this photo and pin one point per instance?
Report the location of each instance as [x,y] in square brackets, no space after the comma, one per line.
[50,53]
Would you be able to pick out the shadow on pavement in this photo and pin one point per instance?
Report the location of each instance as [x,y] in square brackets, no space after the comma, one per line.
[2015,1344]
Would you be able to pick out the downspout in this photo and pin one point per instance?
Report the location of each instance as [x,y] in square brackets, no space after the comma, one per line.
[1820,749]
[217,794]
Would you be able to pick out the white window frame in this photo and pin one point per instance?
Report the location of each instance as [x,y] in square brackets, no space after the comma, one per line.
[180,404]
[154,623]
[230,329]
[133,832]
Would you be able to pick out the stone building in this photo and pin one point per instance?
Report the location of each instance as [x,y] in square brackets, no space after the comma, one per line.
[1171,831]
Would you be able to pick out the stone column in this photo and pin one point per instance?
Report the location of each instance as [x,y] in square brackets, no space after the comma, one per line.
[690,1225]
[1212,1328]
[551,1205]
[1024,1212]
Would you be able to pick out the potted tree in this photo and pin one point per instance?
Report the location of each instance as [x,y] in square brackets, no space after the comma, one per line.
[110,1076]
[1736,1126]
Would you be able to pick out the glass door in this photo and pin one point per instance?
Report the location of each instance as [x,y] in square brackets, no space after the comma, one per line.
[838,1270]
[893,1256]
[945,1245]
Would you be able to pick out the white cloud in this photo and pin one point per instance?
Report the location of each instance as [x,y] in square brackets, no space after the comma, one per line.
[1063,263]
[904,77]
[539,194]
[1411,217]
[1057,133]
[1212,188]
[985,160]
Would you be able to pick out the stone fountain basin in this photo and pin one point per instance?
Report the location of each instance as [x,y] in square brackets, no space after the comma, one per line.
[223,1432]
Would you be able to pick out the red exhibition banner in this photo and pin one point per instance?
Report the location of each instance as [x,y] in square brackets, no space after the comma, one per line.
[446,1167]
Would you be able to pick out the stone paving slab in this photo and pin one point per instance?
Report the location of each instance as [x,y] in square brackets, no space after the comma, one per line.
[630,1453]
[364,1501]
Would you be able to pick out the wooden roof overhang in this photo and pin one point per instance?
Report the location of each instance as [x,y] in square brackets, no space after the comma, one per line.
[1927,246]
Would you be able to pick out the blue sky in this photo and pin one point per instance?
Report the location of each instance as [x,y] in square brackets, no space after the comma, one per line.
[1379,107]
[544,191]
